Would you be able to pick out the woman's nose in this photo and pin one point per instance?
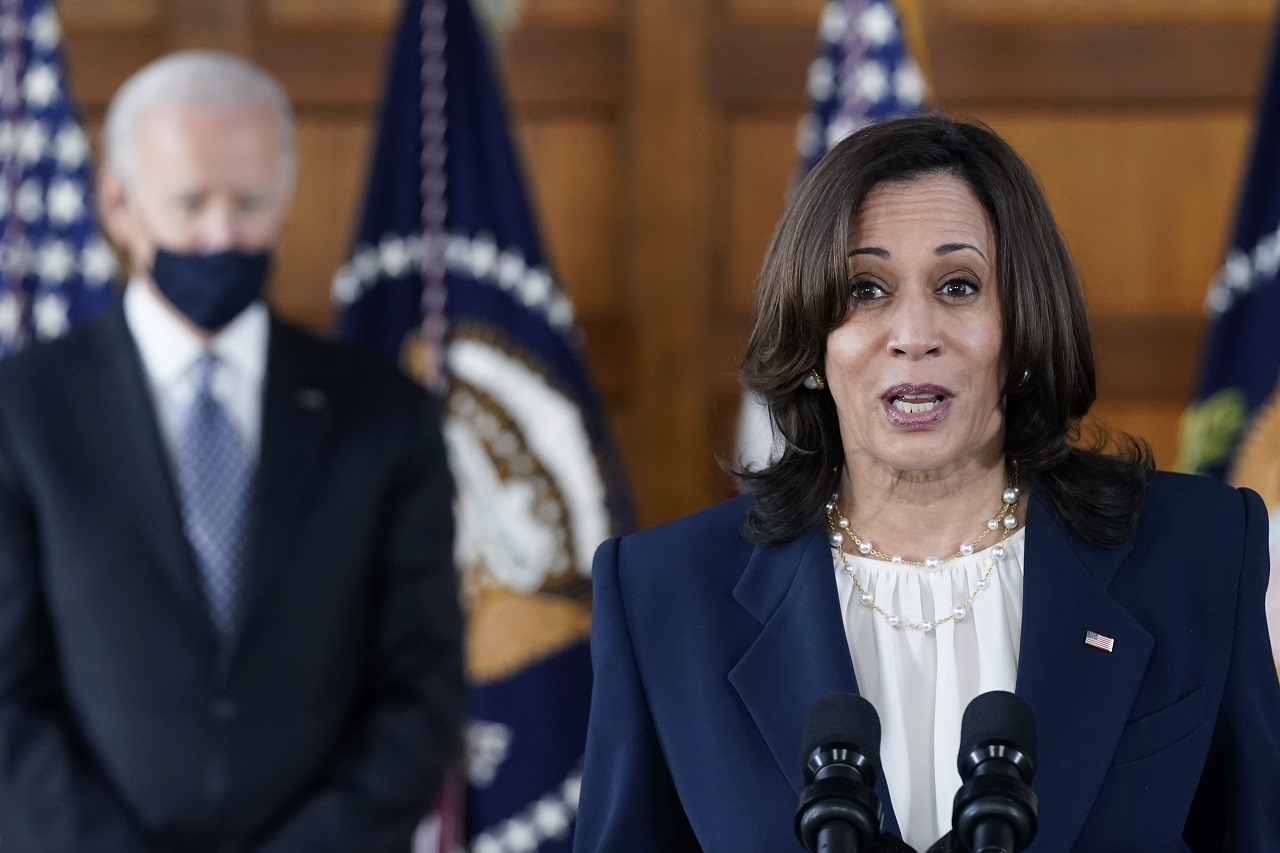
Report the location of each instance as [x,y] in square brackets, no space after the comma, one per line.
[915,327]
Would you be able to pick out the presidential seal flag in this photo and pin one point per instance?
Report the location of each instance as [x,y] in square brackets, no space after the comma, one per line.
[448,276]
[862,73]
[55,268]
[1241,359]
[1232,428]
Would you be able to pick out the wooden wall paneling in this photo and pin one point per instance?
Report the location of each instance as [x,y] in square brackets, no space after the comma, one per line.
[330,55]
[573,169]
[332,160]
[976,66]
[1038,13]
[1156,421]
[761,165]
[328,14]
[758,172]
[211,25]
[569,13]
[105,42]
[553,68]
[670,128]
[1092,65]
[108,13]
[1146,198]
[774,13]
[572,165]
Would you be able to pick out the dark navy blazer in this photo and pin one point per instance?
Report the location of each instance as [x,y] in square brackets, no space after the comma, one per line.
[709,652]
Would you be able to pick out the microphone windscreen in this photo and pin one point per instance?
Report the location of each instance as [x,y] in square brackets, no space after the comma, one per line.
[999,716]
[842,718]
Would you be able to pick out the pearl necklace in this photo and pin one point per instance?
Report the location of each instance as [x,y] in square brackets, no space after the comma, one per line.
[838,528]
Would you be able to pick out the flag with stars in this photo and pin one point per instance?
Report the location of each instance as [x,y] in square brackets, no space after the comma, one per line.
[862,74]
[449,277]
[55,268]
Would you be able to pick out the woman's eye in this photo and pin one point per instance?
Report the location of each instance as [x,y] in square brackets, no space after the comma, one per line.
[959,288]
[865,291]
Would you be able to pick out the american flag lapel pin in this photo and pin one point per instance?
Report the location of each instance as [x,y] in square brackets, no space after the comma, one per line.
[1099,641]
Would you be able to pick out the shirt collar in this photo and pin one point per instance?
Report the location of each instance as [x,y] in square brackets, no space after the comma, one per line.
[169,348]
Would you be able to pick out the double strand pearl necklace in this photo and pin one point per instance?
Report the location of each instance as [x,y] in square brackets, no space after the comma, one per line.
[838,530]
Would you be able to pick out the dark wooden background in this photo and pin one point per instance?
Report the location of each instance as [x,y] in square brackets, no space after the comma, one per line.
[658,136]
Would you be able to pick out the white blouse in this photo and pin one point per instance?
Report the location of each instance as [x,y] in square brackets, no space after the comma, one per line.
[920,683]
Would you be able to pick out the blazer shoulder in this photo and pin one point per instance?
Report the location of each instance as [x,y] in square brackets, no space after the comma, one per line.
[88,341]
[1198,517]
[1198,501]
[715,523]
[59,369]
[703,542]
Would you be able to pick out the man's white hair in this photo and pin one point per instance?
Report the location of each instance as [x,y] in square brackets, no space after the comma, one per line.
[191,78]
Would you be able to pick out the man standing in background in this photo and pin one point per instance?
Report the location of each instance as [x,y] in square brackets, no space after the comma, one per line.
[228,614]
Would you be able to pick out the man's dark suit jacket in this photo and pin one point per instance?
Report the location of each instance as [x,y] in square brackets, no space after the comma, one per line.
[326,722]
[709,652]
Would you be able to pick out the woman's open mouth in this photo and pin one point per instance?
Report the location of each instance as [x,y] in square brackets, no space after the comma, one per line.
[916,406]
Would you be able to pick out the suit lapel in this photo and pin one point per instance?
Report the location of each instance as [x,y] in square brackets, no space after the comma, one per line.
[297,412]
[1081,695]
[801,653]
[121,412]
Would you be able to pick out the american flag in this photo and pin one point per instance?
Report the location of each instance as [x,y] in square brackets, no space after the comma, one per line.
[449,275]
[55,268]
[1099,641]
[862,74]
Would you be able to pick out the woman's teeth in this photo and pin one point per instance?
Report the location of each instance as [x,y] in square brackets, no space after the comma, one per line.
[915,405]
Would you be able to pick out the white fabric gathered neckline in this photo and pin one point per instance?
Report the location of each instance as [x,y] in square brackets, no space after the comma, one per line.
[921,682]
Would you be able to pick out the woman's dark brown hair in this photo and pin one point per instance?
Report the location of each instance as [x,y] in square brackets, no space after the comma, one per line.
[804,295]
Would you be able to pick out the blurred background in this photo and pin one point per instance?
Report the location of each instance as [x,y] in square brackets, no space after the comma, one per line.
[658,139]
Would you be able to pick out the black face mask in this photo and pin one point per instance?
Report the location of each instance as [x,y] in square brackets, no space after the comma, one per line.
[211,290]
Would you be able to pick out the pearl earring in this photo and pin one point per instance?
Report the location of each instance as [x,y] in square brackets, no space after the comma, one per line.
[814,381]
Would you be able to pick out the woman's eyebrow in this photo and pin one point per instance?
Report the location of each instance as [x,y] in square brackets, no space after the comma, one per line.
[948,248]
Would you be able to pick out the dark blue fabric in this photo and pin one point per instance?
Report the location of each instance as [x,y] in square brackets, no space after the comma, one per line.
[1242,346]
[544,705]
[549,736]
[211,290]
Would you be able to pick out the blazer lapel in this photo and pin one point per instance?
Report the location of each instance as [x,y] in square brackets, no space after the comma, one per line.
[1081,695]
[297,413]
[121,412]
[801,653]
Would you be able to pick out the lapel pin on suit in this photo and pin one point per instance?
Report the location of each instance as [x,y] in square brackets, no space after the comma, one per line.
[1099,641]
[312,399]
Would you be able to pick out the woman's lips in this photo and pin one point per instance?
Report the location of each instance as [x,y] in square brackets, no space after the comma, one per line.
[916,406]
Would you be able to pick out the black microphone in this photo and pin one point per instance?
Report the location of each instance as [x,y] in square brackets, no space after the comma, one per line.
[995,810]
[839,811]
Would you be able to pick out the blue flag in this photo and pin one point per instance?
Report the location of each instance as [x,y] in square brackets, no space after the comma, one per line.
[1241,360]
[862,74]
[449,277]
[55,268]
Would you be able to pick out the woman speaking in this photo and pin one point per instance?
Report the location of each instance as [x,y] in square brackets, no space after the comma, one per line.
[932,532]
